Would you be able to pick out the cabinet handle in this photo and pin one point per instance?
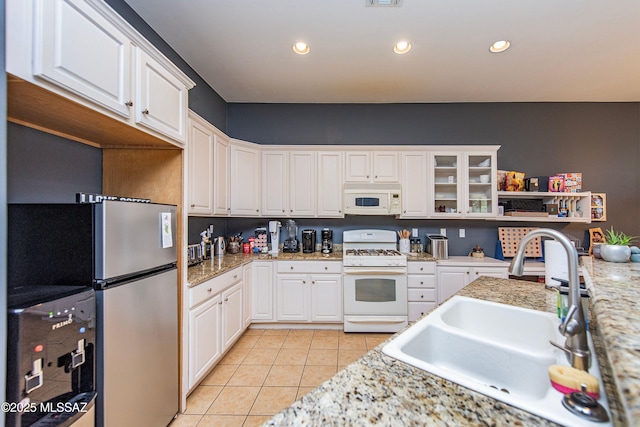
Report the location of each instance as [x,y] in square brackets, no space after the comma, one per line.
[209,290]
[129,103]
[145,111]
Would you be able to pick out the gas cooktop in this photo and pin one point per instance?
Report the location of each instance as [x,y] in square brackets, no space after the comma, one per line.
[372,252]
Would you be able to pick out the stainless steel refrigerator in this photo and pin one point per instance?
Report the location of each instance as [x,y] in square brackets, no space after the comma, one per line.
[127,251]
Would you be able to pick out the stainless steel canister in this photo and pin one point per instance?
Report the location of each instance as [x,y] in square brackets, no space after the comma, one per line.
[438,246]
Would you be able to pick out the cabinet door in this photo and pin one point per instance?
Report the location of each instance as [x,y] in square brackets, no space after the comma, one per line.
[357,166]
[221,178]
[385,166]
[326,298]
[275,166]
[245,180]
[302,184]
[262,291]
[200,167]
[481,189]
[204,338]
[247,280]
[330,173]
[414,185]
[292,295]
[451,280]
[80,50]
[231,315]
[161,98]
[446,192]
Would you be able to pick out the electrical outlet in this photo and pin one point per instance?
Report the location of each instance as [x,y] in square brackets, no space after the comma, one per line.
[414,232]
[443,231]
[461,233]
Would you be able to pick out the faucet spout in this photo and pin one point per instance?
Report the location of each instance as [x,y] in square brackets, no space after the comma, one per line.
[574,325]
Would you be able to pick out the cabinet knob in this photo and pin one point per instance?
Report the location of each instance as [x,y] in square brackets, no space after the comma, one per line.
[421,268]
[129,103]
[304,282]
[339,211]
[290,210]
[220,303]
[145,111]
[313,282]
[367,176]
[421,296]
[291,267]
[326,268]
[193,205]
[226,299]
[476,273]
[405,211]
[257,210]
[422,283]
[376,176]
[209,290]
[467,272]
[228,209]
[235,276]
[282,210]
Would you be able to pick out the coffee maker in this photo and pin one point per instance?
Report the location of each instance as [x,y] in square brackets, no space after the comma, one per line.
[291,243]
[327,241]
[308,241]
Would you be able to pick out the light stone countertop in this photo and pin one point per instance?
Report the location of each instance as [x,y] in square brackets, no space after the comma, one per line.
[380,390]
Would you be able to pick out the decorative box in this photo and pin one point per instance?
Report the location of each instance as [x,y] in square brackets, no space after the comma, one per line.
[515,181]
[556,184]
[572,182]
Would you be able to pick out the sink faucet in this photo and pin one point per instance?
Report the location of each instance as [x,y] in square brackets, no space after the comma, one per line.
[574,325]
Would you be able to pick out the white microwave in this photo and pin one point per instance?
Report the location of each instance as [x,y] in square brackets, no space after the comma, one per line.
[372,199]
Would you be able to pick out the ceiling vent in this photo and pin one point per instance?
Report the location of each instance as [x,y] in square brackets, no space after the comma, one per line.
[383,3]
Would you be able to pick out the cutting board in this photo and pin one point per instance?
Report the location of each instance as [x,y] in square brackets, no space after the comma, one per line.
[510,238]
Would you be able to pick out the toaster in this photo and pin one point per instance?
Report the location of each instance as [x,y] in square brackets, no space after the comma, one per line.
[194,254]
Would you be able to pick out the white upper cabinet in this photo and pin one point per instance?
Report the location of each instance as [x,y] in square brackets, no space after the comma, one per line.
[372,166]
[414,185]
[330,182]
[161,98]
[275,183]
[221,175]
[446,188]
[79,49]
[199,185]
[85,52]
[302,184]
[245,179]
[481,190]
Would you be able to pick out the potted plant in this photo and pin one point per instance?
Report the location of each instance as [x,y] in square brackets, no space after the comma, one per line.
[617,247]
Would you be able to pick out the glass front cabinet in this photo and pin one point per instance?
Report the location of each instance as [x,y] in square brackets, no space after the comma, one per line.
[447,191]
[481,191]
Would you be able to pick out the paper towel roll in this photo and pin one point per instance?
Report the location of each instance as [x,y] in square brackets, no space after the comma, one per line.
[555,262]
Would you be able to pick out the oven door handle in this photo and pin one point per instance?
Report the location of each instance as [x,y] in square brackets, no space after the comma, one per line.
[369,319]
[391,271]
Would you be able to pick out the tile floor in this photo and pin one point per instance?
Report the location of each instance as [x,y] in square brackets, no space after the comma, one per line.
[267,370]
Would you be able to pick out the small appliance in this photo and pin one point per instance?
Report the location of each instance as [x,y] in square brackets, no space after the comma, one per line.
[274,231]
[308,241]
[327,241]
[291,244]
[219,246]
[438,246]
[372,199]
[194,254]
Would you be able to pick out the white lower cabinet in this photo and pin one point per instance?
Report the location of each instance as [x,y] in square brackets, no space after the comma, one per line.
[262,291]
[309,291]
[215,321]
[451,279]
[421,292]
[247,285]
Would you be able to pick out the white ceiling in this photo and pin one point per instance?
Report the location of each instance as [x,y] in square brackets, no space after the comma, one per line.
[561,50]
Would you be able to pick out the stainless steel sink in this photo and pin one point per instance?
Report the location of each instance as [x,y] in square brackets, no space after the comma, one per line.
[495,349]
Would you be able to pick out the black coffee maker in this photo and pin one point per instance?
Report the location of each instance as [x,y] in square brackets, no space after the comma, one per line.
[308,241]
[327,241]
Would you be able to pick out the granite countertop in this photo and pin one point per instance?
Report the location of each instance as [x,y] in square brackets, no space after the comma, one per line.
[378,389]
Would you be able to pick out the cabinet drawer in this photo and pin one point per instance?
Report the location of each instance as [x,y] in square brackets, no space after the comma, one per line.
[417,309]
[421,295]
[309,267]
[420,281]
[202,292]
[421,267]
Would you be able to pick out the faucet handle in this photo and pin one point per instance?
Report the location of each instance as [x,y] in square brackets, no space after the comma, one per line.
[570,326]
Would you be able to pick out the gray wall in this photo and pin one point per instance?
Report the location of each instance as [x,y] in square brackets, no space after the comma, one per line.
[203,99]
[3,216]
[601,140]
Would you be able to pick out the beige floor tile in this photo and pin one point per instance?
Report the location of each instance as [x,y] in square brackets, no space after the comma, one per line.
[301,332]
[352,342]
[345,357]
[326,333]
[313,376]
[322,357]
[272,400]
[235,356]
[297,341]
[275,332]
[202,398]
[324,342]
[184,420]
[220,375]
[303,391]
[222,421]
[261,356]
[374,339]
[294,356]
[270,341]
[246,341]
[234,401]
[249,375]
[253,332]
[256,420]
[285,375]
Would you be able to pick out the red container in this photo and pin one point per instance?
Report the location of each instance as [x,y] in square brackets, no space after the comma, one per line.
[246,248]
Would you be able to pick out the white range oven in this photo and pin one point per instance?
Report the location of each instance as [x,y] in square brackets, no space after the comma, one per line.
[375,282]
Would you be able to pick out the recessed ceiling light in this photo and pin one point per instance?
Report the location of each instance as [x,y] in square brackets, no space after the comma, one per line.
[402,47]
[500,46]
[301,48]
